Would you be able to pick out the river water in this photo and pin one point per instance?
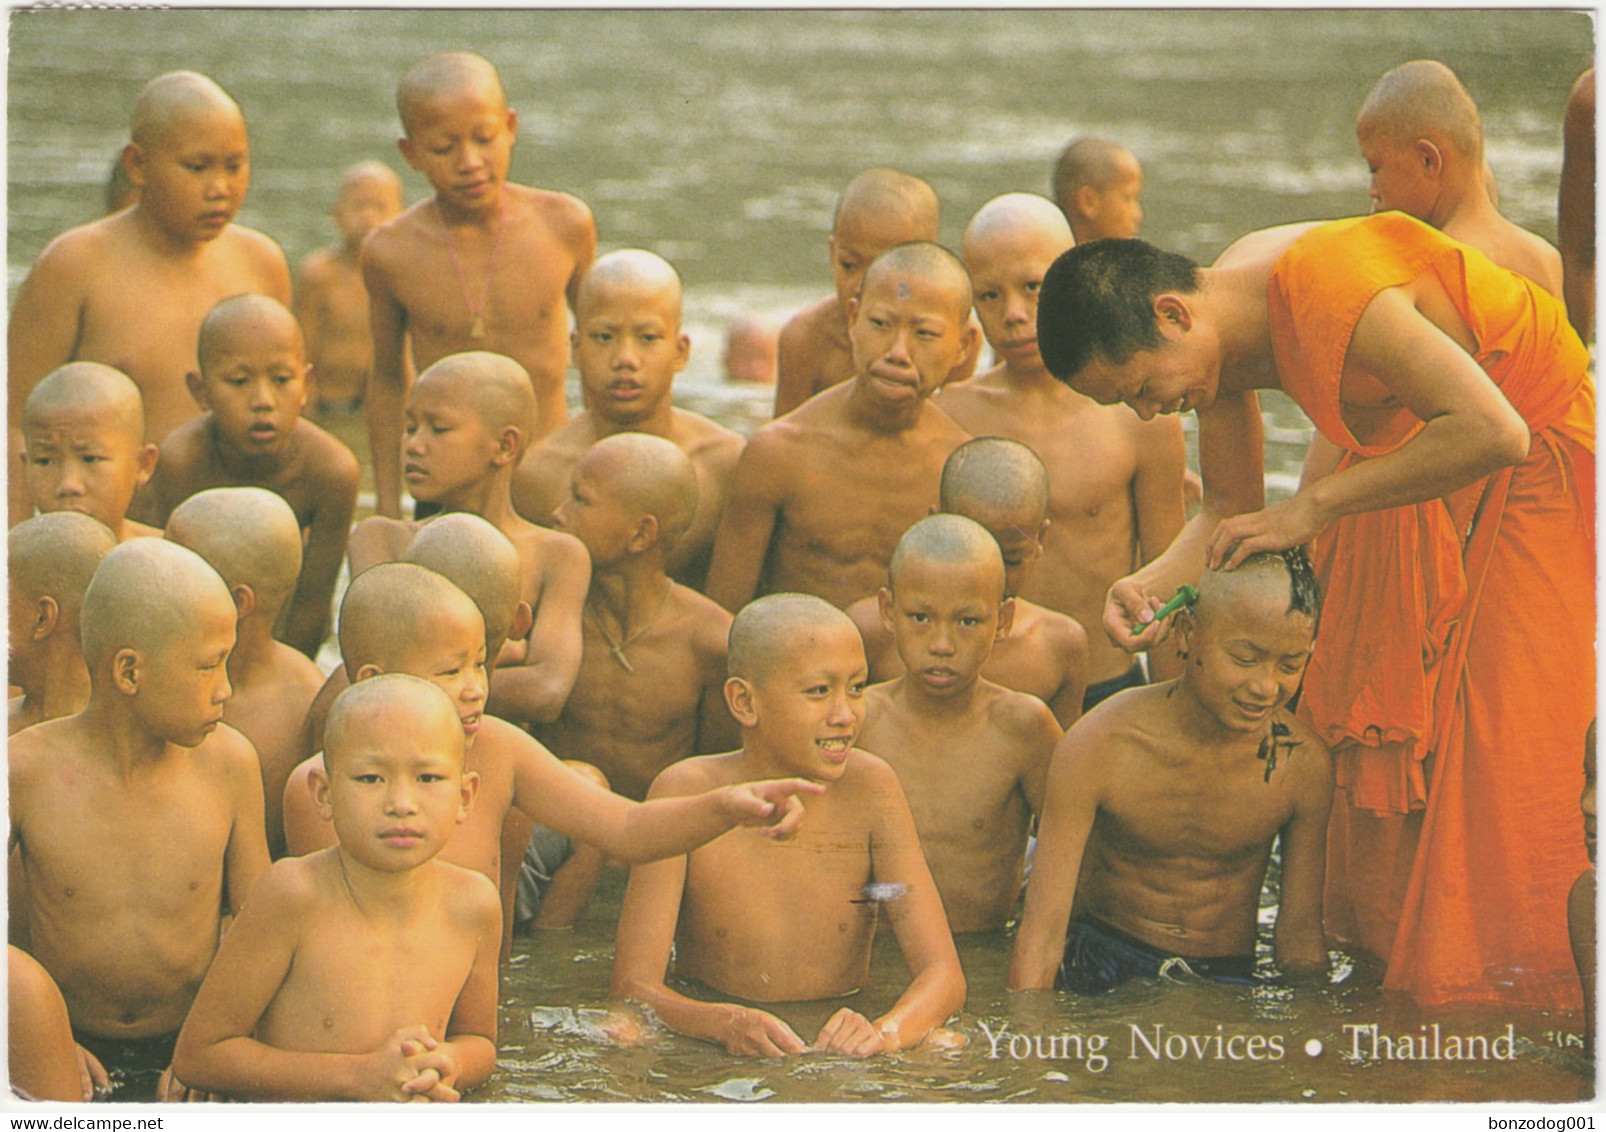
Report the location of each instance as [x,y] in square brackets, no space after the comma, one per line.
[720,140]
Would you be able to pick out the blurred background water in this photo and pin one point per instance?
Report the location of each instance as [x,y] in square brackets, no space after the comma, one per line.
[720,140]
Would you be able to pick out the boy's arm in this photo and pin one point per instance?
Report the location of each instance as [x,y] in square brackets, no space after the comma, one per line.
[1300,947]
[582,240]
[1040,736]
[246,858]
[536,690]
[387,383]
[306,621]
[471,1031]
[43,334]
[1160,508]
[743,540]
[1071,651]
[1066,820]
[311,280]
[937,989]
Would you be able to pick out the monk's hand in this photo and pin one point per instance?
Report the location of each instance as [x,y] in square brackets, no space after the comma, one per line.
[1129,616]
[91,1074]
[851,1033]
[1292,522]
[756,1033]
[773,804]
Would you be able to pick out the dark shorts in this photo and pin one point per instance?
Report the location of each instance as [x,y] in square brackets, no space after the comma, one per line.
[547,852]
[135,1065]
[1104,689]
[1099,957]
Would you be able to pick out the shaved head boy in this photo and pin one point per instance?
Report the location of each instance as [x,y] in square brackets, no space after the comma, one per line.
[138,821]
[628,346]
[83,446]
[879,209]
[49,562]
[131,289]
[802,515]
[941,722]
[1097,184]
[250,536]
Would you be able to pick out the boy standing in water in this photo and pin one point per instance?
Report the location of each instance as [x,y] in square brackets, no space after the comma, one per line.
[484,264]
[130,289]
[331,302]
[1097,184]
[1164,802]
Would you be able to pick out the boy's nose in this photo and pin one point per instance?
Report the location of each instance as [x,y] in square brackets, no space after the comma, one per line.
[70,484]
[942,641]
[899,350]
[224,688]
[399,798]
[840,711]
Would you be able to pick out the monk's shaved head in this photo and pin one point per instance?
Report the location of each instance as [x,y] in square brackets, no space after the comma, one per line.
[147,594]
[494,387]
[376,171]
[1286,572]
[1423,99]
[994,476]
[445,74]
[246,316]
[88,387]
[1095,162]
[632,271]
[249,535]
[931,262]
[55,556]
[947,539]
[392,702]
[391,609]
[652,476]
[773,627]
[170,101]
[889,196]
[478,559]
[1014,215]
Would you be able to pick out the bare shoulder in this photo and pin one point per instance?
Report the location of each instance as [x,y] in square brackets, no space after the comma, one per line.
[702,438]
[1264,246]
[78,255]
[472,900]
[329,461]
[1306,761]
[186,448]
[228,753]
[1018,715]
[1062,633]
[316,268]
[696,775]
[30,752]
[398,236]
[294,886]
[568,216]
[709,621]
[867,772]
[378,539]
[809,321]
[256,246]
[940,426]
[559,552]
[866,615]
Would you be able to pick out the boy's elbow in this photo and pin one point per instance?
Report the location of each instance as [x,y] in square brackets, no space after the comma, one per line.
[1511,442]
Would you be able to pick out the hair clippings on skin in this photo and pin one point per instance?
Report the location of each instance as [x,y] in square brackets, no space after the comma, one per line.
[1280,733]
[1186,595]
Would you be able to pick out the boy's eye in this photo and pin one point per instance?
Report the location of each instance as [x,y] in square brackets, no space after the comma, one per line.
[928,335]
[601,336]
[366,779]
[847,266]
[856,688]
[987,296]
[816,690]
[1034,286]
[969,622]
[919,618]
[431,777]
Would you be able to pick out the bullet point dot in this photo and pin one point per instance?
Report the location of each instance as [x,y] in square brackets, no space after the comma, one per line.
[1313,1047]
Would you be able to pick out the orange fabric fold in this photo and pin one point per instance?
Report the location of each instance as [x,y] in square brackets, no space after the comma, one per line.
[1454,671]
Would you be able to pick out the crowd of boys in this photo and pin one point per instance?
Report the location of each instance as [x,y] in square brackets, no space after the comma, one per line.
[630,635]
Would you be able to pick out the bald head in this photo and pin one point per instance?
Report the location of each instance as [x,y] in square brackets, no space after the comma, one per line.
[391,609]
[248,318]
[950,540]
[371,172]
[478,559]
[390,704]
[249,535]
[55,556]
[442,75]
[1286,574]
[776,626]
[990,476]
[931,262]
[633,272]
[651,475]
[110,395]
[889,197]
[1423,99]
[146,595]
[494,387]
[1095,162]
[169,102]
[1013,216]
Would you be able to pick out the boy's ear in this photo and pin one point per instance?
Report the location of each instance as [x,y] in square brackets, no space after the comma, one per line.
[970,341]
[133,158]
[1170,307]
[408,150]
[830,250]
[508,444]
[523,622]
[682,351]
[197,387]
[318,787]
[1087,202]
[245,601]
[853,310]
[739,698]
[47,618]
[1183,625]
[513,123]
[645,536]
[1006,618]
[883,601]
[309,382]
[126,671]
[368,670]
[1042,533]
[146,463]
[470,791]
[1429,157]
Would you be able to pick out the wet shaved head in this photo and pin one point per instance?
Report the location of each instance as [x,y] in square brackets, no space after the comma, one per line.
[110,394]
[949,539]
[1423,99]
[391,609]
[632,271]
[478,559]
[145,595]
[1282,572]
[1013,215]
[930,262]
[495,387]
[652,476]
[887,194]
[993,476]
[249,535]
[55,556]
[168,101]
[1096,162]
[446,73]
[381,703]
[250,315]
[773,627]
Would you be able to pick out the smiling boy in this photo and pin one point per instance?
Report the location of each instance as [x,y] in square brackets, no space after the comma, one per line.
[1164,801]
[253,384]
[483,264]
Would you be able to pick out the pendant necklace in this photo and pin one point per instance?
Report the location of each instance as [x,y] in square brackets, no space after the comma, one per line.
[617,648]
[476,325]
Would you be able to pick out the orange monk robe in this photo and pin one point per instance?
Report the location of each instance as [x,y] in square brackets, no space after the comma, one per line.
[1454,672]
